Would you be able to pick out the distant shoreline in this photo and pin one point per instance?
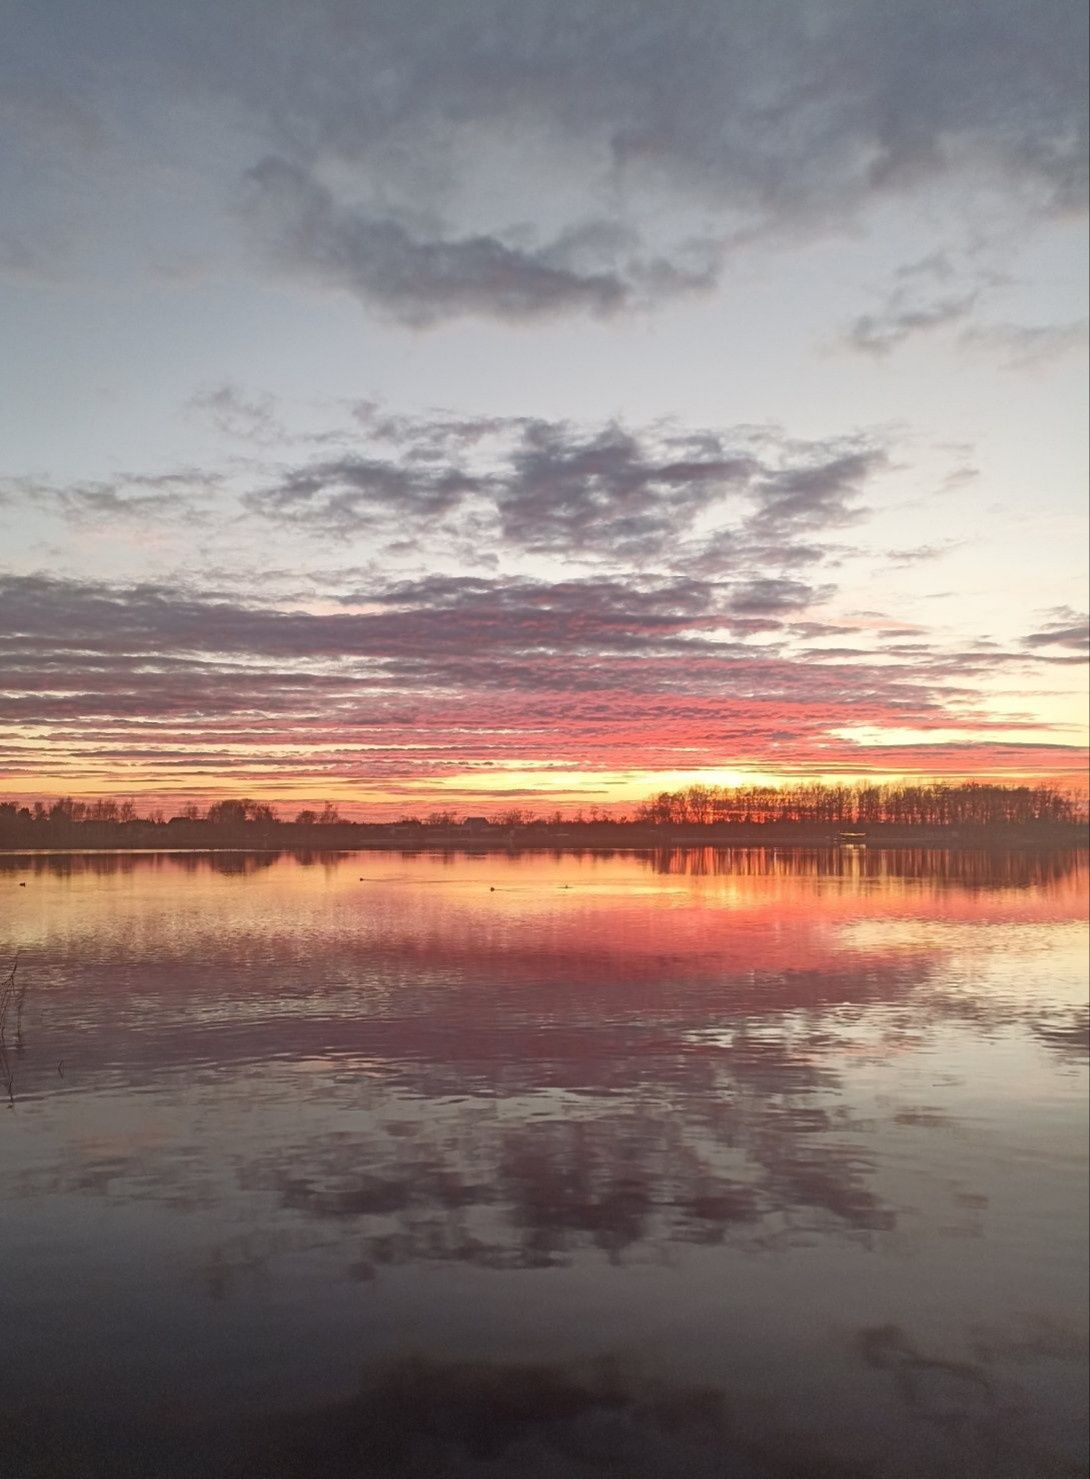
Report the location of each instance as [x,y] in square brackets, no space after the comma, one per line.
[143,837]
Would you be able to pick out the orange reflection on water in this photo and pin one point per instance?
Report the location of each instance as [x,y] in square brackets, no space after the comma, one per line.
[737,1108]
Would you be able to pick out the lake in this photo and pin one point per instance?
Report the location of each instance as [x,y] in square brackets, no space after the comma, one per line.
[707,1162]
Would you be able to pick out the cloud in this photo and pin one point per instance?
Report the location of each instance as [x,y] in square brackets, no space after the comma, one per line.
[550,157]
[417,280]
[1024,346]
[768,596]
[250,418]
[937,265]
[1067,628]
[803,108]
[816,488]
[475,680]
[612,489]
[713,500]
[135,497]
[750,121]
[409,620]
[745,503]
[754,124]
[922,553]
[354,493]
[924,296]
[878,333]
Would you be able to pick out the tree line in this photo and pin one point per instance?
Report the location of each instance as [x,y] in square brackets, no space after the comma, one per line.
[967,804]
[937,806]
[66,810]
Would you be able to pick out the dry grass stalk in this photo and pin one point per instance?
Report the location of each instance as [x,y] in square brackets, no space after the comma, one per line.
[13,992]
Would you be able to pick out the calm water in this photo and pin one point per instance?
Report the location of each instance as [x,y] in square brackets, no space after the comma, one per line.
[694,1164]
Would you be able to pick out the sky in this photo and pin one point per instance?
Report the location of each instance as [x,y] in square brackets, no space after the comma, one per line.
[463,404]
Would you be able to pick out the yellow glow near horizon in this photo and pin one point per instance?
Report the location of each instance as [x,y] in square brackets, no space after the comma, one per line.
[492,791]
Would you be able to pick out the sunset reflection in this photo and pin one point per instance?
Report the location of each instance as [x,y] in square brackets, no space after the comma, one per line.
[331,1073]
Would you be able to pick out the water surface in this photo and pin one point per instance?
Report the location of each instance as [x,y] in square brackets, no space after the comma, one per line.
[705,1162]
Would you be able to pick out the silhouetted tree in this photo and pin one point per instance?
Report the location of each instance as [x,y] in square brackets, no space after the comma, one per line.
[970,804]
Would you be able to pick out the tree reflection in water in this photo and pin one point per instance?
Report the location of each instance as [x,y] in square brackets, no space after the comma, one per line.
[651,1075]
[676,1070]
[966,867]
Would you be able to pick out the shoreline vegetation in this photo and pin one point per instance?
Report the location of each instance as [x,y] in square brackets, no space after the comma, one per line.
[967,815]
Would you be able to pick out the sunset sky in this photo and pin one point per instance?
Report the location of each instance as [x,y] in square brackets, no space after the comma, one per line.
[464,404]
